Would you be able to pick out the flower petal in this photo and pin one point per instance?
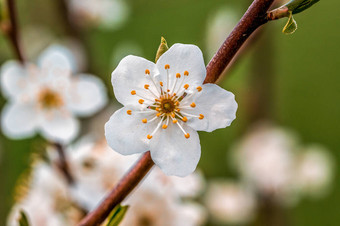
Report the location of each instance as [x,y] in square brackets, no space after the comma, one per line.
[181,58]
[19,121]
[87,95]
[127,134]
[175,154]
[218,107]
[12,73]
[130,75]
[59,126]
[55,60]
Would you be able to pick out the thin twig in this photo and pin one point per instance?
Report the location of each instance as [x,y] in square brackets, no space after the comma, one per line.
[63,164]
[255,16]
[12,31]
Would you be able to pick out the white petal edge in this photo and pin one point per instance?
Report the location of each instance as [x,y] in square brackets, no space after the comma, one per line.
[218,107]
[175,154]
[127,134]
[130,75]
[180,58]
[12,73]
[59,126]
[19,121]
[87,95]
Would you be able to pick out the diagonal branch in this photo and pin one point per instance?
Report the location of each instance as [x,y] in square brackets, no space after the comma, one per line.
[255,16]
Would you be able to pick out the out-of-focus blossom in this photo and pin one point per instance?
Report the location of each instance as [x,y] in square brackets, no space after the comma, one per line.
[314,171]
[229,202]
[164,105]
[47,97]
[105,13]
[96,169]
[47,200]
[265,159]
[220,24]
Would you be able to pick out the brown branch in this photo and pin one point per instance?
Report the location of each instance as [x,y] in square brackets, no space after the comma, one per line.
[12,31]
[63,164]
[117,195]
[255,16]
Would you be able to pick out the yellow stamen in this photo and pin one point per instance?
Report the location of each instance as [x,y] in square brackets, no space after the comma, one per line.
[129,112]
[192,105]
[187,135]
[178,75]
[164,126]
[173,115]
[174,121]
[158,114]
[167,66]
[133,92]
[199,89]
[168,90]
[157,109]
[184,119]
[149,136]
[177,103]
[141,101]
[146,86]
[201,117]
[161,83]
[186,86]
[144,120]
[186,73]
[147,71]
[177,109]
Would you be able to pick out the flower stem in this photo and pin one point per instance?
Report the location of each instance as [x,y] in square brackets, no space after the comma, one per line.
[255,16]
[12,31]
[123,188]
[63,164]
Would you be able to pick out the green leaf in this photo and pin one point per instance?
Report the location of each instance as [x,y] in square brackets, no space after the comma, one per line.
[163,47]
[117,215]
[297,6]
[290,26]
[23,220]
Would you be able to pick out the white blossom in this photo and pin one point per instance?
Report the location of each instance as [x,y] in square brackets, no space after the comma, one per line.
[164,105]
[46,97]
[314,171]
[104,13]
[229,202]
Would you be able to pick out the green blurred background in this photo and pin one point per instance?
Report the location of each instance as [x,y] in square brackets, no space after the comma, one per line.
[296,76]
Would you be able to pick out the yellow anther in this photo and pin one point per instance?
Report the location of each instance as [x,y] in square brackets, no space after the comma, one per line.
[164,126]
[157,109]
[161,83]
[177,103]
[186,73]
[187,135]
[168,90]
[158,114]
[173,115]
[199,89]
[178,75]
[133,92]
[184,119]
[146,86]
[201,117]
[192,105]
[157,100]
[174,121]
[174,94]
[177,109]
[186,86]
[141,101]
[149,136]
[147,71]
[144,120]
[167,66]
[129,112]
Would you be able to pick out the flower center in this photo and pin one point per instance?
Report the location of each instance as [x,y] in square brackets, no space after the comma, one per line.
[48,99]
[167,105]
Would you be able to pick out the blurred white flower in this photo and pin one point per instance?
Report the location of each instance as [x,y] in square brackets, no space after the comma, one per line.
[220,24]
[229,202]
[265,159]
[164,104]
[47,201]
[314,171]
[45,98]
[105,13]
